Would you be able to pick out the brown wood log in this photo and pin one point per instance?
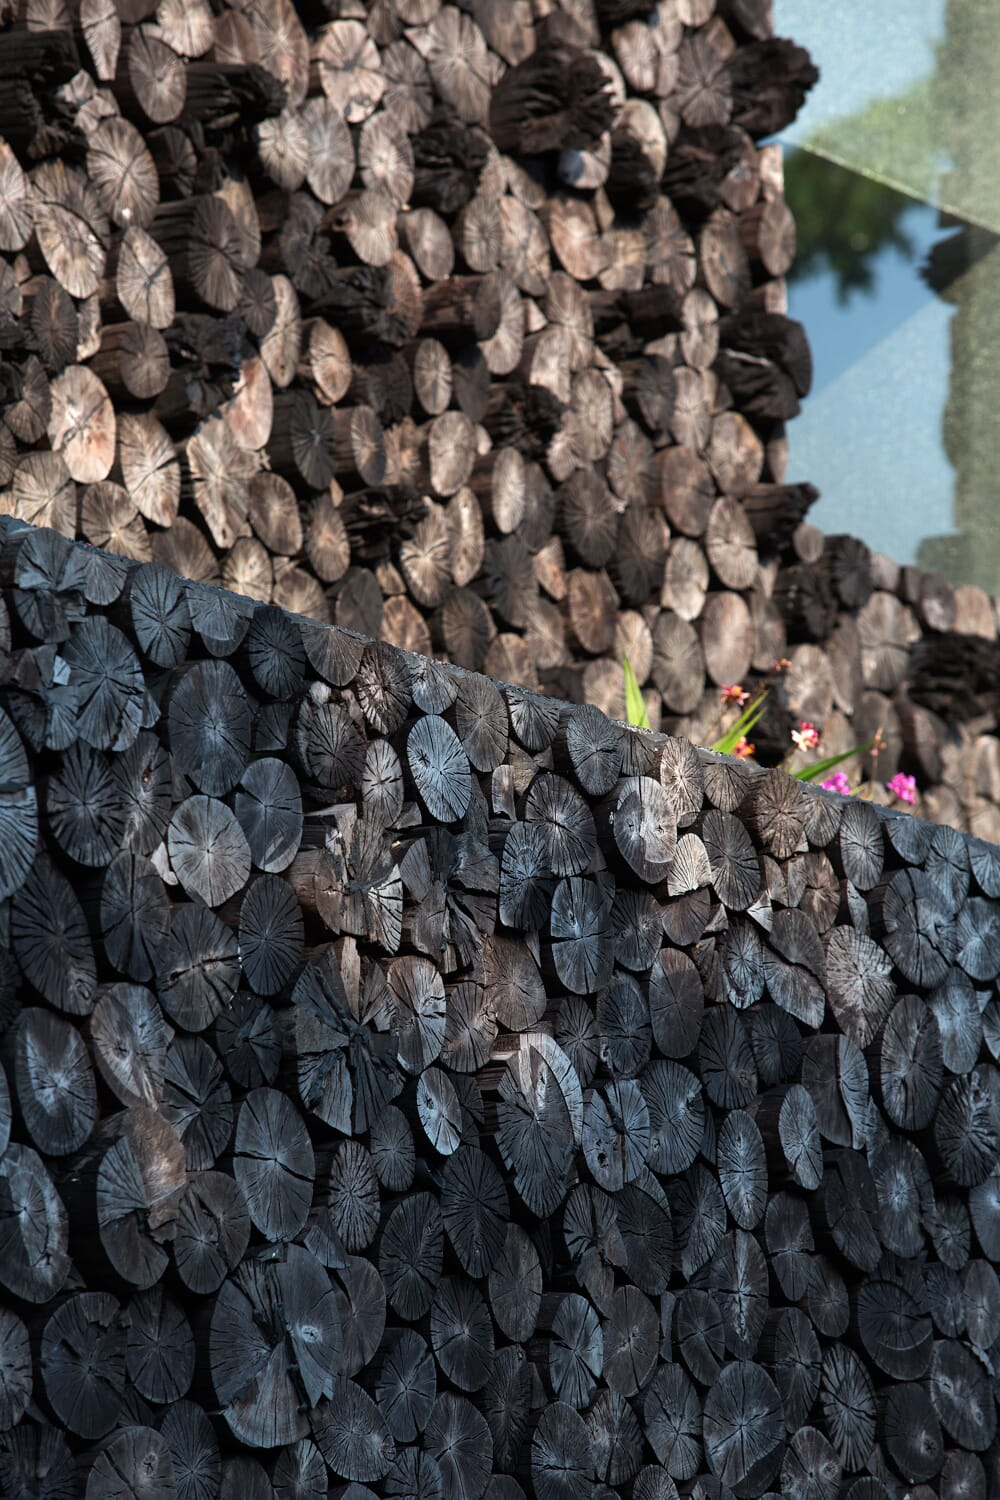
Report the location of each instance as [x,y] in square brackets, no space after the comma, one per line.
[132,361]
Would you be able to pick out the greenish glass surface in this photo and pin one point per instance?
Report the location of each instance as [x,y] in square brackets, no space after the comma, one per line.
[895,186]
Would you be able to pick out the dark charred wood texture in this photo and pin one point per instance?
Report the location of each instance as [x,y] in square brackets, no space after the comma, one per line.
[414,1086]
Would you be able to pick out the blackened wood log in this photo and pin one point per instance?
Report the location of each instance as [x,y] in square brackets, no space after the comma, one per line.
[917,927]
[560,1454]
[643,827]
[249,1041]
[134,915]
[383,689]
[638,928]
[967,1422]
[297,1293]
[776,1042]
[85,813]
[554,100]
[82,1363]
[197,1101]
[912,1432]
[16,1383]
[53,1082]
[742,1168]
[744,1426]
[160,1352]
[728,1070]
[847,1400]
[268,807]
[850,1207]
[788,1121]
[962,1472]
[910,1067]
[135,1455]
[966,1123]
[676,1108]
[273,1163]
[983,1208]
[582,939]
[410,1254]
[208,851]
[671,1419]
[700,1216]
[212,1231]
[461,1333]
[906,1353]
[792,1352]
[699,1334]
[835,1073]
[811,1466]
[789,1238]
[769,81]
[34,1263]
[129,1038]
[50,940]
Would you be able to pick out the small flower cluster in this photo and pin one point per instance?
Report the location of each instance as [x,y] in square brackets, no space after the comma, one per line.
[743,748]
[902,787]
[806,737]
[733,692]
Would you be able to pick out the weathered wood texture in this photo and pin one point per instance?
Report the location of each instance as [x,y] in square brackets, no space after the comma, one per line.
[411,1085]
[464,326]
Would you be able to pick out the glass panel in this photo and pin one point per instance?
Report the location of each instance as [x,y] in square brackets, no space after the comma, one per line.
[893,175]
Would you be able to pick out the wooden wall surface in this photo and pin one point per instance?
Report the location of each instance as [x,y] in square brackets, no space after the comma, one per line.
[413,1086]
[466,327]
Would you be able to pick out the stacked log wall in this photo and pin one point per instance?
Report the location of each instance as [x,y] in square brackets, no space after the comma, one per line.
[416,1086]
[466,327]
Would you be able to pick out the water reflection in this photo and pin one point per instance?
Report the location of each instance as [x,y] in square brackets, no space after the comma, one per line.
[897,279]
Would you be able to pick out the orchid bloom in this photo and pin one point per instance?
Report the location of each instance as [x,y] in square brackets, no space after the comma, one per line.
[903,787]
[782,664]
[806,737]
[838,782]
[734,692]
[743,748]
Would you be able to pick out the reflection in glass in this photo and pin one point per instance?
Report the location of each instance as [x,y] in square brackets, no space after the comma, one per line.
[894,190]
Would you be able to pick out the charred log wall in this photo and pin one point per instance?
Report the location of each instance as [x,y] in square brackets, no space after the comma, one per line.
[415,1084]
[464,327]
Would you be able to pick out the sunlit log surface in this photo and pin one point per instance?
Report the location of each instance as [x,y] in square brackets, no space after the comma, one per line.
[464,326]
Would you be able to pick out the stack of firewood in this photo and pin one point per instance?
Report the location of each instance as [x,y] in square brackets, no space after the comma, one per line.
[464,327]
[426,1087]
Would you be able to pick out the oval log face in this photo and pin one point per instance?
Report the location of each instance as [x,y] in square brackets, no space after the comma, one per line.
[415,1080]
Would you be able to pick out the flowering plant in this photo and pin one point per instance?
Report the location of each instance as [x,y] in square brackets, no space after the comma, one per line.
[734,740]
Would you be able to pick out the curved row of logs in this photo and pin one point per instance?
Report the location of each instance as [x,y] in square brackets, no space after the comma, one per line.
[463,326]
[413,1086]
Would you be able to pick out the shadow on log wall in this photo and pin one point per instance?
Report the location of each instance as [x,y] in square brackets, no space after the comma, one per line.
[464,327]
[414,1086]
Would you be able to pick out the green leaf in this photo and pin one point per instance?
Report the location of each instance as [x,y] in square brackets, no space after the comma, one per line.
[727,743]
[635,708]
[814,772]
